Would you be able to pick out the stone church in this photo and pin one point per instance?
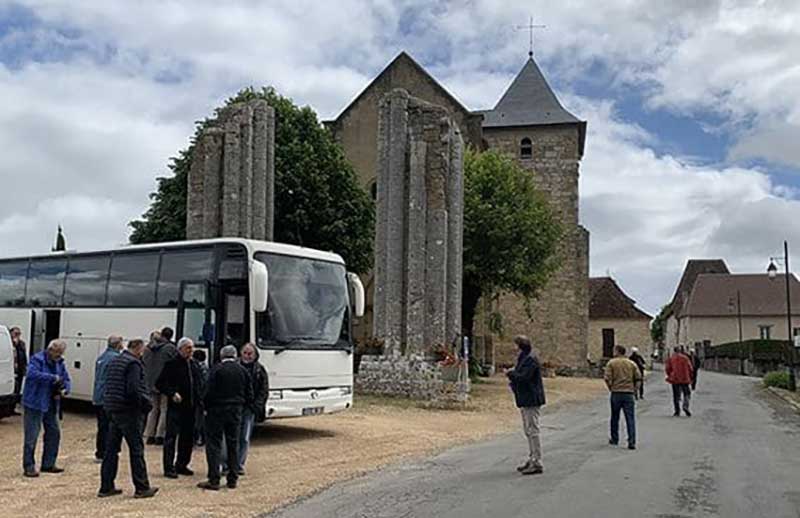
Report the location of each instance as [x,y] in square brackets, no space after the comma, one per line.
[530,124]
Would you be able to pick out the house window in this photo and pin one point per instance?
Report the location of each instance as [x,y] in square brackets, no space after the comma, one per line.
[765,332]
[525,148]
[796,331]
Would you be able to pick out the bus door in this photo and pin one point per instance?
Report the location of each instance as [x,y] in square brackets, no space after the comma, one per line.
[197,316]
[46,326]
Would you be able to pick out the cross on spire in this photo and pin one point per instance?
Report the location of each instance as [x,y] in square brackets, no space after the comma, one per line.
[530,28]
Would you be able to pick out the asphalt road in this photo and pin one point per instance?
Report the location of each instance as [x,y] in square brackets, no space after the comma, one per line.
[738,456]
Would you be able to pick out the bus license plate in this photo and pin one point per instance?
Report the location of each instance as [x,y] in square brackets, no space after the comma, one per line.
[314,410]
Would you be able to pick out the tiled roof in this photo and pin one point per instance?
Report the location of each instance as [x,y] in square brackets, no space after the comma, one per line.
[528,101]
[694,267]
[608,301]
[715,295]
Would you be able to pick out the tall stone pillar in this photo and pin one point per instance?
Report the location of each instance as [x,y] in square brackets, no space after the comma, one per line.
[231,179]
[418,233]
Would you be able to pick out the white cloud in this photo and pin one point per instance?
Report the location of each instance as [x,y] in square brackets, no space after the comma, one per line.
[84,137]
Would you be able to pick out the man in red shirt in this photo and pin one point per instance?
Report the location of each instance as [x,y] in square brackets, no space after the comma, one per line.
[679,375]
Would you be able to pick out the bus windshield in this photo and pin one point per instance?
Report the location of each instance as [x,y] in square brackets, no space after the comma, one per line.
[307,305]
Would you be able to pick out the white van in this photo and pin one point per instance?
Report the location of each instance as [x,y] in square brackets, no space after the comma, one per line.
[8,399]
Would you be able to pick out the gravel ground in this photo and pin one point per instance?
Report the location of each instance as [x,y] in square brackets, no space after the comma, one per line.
[288,459]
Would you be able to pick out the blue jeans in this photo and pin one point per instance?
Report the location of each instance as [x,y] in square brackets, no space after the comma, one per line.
[245,431]
[623,401]
[33,420]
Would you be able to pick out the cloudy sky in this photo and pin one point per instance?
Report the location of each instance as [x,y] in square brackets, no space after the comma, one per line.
[693,147]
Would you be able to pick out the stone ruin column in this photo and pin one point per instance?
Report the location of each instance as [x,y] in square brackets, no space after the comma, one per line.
[418,233]
[230,187]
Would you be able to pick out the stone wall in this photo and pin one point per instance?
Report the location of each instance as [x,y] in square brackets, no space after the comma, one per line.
[413,377]
[231,179]
[560,315]
[418,230]
[356,129]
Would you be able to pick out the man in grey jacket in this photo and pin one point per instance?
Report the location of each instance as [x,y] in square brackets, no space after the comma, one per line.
[157,353]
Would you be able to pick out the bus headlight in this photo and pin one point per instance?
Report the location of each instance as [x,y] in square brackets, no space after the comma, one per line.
[346,391]
[276,394]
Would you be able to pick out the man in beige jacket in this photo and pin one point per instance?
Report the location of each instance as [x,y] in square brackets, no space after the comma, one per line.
[622,378]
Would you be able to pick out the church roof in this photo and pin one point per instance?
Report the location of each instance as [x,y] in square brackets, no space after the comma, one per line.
[403,58]
[528,101]
[608,301]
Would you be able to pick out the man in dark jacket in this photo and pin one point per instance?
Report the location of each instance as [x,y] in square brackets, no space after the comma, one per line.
[127,402]
[526,382]
[255,413]
[113,350]
[158,352]
[46,381]
[229,391]
[638,359]
[20,358]
[200,382]
[177,383]
[695,367]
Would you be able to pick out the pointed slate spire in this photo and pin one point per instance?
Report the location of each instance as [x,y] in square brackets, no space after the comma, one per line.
[61,243]
[528,101]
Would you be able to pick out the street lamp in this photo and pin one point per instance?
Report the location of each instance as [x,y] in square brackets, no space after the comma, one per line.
[772,271]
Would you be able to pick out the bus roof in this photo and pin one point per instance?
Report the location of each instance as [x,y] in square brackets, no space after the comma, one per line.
[252,246]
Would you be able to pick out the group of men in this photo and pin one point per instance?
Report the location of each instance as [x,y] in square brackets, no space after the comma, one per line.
[161,391]
[624,378]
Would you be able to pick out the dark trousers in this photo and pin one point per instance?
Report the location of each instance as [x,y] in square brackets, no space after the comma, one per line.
[128,426]
[623,401]
[223,423]
[678,390]
[33,421]
[180,430]
[18,384]
[694,380]
[199,425]
[102,432]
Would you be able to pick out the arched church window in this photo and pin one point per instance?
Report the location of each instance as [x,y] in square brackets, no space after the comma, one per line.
[373,189]
[525,148]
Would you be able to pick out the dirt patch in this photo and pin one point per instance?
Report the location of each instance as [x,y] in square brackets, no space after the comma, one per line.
[288,459]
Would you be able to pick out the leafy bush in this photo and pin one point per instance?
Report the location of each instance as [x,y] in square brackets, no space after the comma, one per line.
[778,379]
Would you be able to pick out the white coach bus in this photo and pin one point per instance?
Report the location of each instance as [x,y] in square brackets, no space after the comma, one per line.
[296,304]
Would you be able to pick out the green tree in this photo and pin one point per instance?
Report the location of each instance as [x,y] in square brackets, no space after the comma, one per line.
[318,202]
[510,232]
[658,327]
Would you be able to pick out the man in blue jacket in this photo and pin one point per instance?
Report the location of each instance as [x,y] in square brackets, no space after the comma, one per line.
[46,381]
[526,382]
[113,350]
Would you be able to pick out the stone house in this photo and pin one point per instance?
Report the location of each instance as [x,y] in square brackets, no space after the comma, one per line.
[723,308]
[614,319]
[529,124]
[694,267]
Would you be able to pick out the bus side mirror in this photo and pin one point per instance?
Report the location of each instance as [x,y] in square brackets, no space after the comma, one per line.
[358,294]
[260,286]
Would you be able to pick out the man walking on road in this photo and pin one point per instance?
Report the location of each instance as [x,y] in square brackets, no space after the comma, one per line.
[638,359]
[695,367]
[679,374]
[526,382]
[112,351]
[229,391]
[622,377]
[126,401]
